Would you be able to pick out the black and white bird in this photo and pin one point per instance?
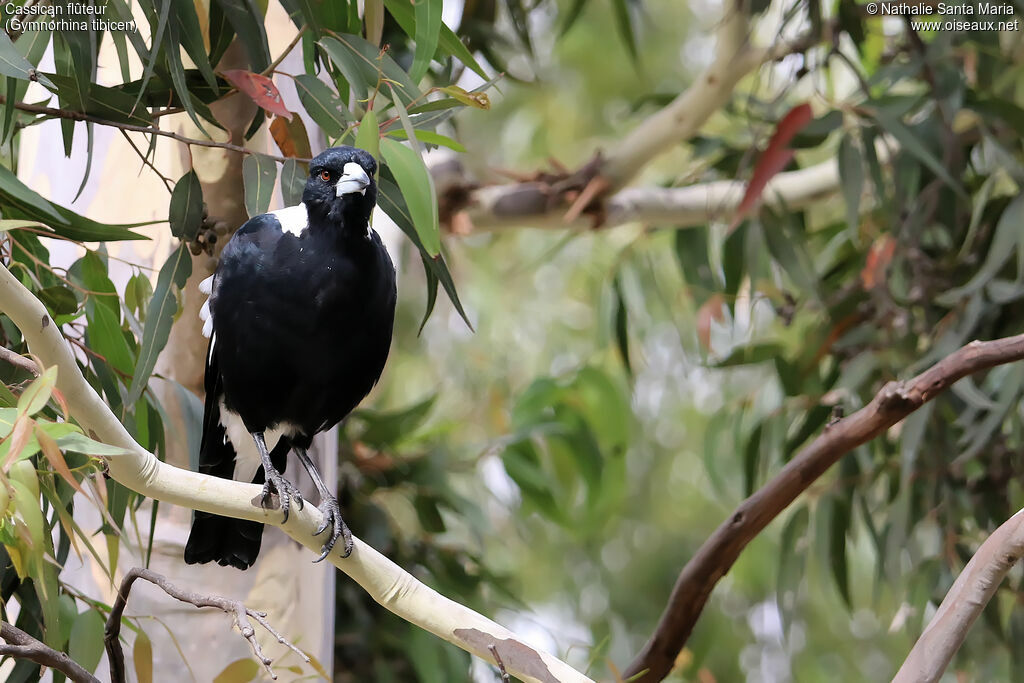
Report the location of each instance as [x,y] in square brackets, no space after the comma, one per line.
[299,317]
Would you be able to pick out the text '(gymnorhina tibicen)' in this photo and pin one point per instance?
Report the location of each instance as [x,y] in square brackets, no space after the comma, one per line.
[299,317]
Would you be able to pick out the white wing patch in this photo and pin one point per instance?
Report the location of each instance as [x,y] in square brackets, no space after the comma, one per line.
[293,219]
[206,287]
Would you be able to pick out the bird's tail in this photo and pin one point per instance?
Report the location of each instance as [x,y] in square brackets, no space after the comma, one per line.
[214,538]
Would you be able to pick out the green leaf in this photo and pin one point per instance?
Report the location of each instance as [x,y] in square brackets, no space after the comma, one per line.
[428,30]
[752,353]
[258,174]
[839,524]
[417,189]
[364,64]
[154,52]
[851,177]
[12,189]
[80,443]
[142,657]
[322,105]
[238,671]
[85,646]
[189,34]
[185,213]
[159,317]
[13,64]
[106,337]
[248,22]
[59,300]
[393,204]
[1006,240]
[293,182]
[428,137]
[910,142]
[368,134]
[752,460]
[35,397]
[620,321]
[448,42]
[624,24]
[106,103]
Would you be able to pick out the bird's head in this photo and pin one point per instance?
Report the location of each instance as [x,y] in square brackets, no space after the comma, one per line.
[341,187]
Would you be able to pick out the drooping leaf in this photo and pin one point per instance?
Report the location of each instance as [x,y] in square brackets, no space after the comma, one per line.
[142,657]
[851,176]
[258,174]
[238,671]
[185,213]
[774,158]
[364,64]
[449,43]
[293,182]
[428,29]
[911,142]
[38,393]
[322,104]
[159,316]
[368,134]
[290,137]
[85,645]
[246,19]
[418,190]
[14,65]
[428,137]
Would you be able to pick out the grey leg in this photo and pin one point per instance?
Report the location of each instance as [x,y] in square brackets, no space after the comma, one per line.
[286,491]
[329,507]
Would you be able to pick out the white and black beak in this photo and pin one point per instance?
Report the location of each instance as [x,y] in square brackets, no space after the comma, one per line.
[353,179]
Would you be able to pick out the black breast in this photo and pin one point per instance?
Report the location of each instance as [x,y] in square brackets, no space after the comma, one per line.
[302,324]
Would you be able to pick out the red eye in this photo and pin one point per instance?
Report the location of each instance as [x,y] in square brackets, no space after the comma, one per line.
[325,176]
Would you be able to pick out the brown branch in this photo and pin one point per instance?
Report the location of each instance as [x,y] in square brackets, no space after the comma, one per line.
[235,608]
[21,645]
[18,361]
[894,402]
[968,596]
[149,130]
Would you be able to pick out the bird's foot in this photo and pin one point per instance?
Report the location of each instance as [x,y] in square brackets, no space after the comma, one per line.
[335,524]
[285,490]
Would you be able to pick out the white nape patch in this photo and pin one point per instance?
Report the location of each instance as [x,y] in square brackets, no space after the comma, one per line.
[206,286]
[247,456]
[293,219]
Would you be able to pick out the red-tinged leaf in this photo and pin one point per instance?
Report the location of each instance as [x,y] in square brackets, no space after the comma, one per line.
[709,311]
[19,437]
[260,89]
[878,260]
[291,137]
[773,159]
[56,459]
[59,397]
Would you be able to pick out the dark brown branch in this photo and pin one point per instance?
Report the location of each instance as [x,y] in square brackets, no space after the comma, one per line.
[715,557]
[149,130]
[235,608]
[21,645]
[18,361]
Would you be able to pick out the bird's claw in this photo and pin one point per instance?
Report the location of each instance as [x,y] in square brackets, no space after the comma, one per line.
[285,490]
[333,521]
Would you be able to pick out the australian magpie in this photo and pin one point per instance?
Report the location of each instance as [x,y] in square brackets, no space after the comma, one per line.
[300,313]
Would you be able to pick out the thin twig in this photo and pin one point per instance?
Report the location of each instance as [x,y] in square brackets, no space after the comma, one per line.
[149,130]
[716,556]
[21,645]
[235,608]
[501,665]
[18,361]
